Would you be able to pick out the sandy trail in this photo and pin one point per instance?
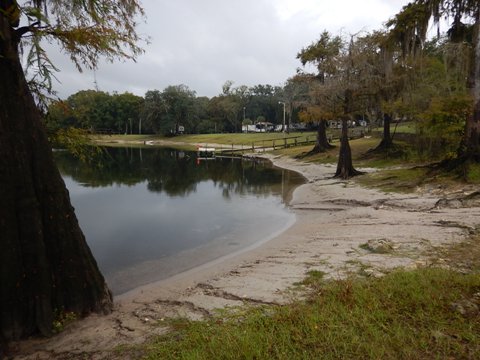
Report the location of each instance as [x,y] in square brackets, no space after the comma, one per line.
[336,223]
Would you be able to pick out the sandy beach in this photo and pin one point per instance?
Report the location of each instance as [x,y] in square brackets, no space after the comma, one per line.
[340,229]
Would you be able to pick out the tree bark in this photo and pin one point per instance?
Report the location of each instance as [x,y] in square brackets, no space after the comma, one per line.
[471,148]
[322,143]
[345,169]
[386,142]
[46,265]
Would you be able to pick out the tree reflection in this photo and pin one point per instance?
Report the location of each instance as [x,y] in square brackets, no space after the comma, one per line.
[175,172]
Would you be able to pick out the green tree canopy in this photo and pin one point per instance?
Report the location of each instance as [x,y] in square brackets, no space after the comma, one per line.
[84,30]
[409,29]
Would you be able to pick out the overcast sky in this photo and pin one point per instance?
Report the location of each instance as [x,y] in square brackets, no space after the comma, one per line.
[204,43]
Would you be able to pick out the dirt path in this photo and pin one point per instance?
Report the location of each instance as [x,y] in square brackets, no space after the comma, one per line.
[341,228]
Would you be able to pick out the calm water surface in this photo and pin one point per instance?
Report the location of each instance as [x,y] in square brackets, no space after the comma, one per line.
[148,214]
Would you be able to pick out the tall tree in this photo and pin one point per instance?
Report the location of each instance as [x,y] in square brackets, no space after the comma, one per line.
[44,259]
[227,107]
[325,55]
[296,95]
[263,102]
[151,114]
[378,82]
[336,66]
[125,109]
[349,84]
[179,104]
[200,120]
[315,103]
[92,109]
[409,28]
[345,169]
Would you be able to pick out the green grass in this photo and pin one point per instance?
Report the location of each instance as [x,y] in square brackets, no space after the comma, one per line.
[404,180]
[239,139]
[228,139]
[404,315]
[359,148]
[125,137]
[402,128]
[473,175]
[408,178]
[463,256]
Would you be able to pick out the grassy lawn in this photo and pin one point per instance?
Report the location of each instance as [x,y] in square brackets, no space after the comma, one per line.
[403,315]
[240,139]
[403,127]
[227,139]
[124,137]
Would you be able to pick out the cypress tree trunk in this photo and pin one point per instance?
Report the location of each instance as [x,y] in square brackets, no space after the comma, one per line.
[386,142]
[345,169]
[322,143]
[471,148]
[45,263]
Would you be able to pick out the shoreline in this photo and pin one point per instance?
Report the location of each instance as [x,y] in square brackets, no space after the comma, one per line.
[193,274]
[334,221]
[199,272]
[212,268]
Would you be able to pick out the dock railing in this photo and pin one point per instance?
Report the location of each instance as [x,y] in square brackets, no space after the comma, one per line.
[279,143]
[267,145]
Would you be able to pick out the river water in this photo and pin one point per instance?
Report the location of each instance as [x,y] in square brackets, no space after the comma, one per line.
[150,213]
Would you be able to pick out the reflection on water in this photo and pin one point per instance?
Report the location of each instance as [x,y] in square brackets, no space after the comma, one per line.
[151,213]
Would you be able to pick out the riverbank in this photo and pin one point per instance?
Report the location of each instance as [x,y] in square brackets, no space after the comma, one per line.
[341,229]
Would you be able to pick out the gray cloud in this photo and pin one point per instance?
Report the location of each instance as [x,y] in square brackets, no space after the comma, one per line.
[204,43]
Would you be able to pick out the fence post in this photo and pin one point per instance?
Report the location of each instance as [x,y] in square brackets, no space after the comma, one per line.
[273,144]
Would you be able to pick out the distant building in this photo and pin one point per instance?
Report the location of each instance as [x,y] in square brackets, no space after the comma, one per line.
[261,126]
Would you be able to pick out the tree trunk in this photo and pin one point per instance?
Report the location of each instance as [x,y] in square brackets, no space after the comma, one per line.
[386,142]
[45,264]
[345,169]
[322,143]
[471,148]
